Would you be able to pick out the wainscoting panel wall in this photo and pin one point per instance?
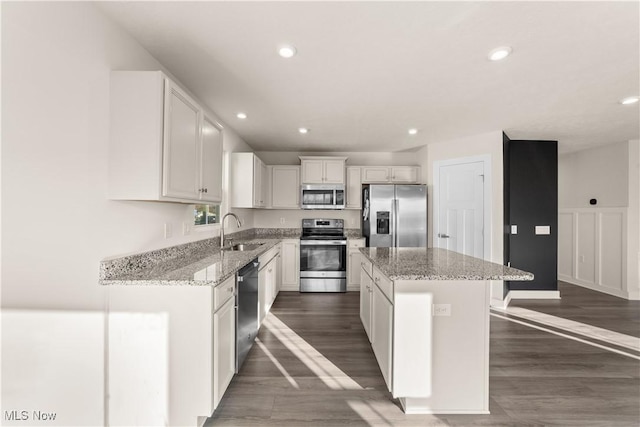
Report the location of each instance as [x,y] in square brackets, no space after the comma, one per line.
[592,247]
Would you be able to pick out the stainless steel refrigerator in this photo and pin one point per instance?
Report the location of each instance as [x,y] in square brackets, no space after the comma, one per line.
[394,215]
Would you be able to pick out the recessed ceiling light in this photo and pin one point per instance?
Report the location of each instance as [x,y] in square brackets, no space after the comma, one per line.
[629,100]
[499,53]
[303,130]
[286,51]
[241,116]
[413,131]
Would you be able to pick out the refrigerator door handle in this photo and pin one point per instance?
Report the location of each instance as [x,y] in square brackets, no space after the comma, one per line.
[394,209]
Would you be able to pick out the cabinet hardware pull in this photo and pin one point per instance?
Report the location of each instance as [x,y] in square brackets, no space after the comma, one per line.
[230,288]
[206,190]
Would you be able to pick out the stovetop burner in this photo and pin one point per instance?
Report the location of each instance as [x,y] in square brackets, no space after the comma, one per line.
[323,229]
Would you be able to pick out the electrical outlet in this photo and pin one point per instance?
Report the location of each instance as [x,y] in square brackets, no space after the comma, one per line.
[282,220]
[441,309]
[186,228]
[168,232]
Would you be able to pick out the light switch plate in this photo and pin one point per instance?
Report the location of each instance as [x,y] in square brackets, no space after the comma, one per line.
[543,230]
[441,309]
[514,229]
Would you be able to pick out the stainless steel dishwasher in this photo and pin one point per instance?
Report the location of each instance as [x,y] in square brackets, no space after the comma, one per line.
[246,310]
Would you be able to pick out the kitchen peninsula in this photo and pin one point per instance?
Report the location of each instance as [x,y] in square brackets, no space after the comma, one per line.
[426,312]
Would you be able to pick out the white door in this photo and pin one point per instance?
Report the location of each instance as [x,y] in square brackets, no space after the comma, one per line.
[461,208]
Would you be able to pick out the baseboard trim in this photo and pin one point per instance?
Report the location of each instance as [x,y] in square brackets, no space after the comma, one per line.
[609,291]
[501,303]
[534,294]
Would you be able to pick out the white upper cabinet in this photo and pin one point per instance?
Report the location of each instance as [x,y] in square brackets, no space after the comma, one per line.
[405,174]
[390,174]
[285,184]
[248,181]
[181,143]
[322,170]
[162,147]
[375,174]
[354,187]
[211,177]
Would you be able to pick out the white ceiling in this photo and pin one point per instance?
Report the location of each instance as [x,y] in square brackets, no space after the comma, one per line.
[367,71]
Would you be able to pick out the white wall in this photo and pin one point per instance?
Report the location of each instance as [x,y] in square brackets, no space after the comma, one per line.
[599,173]
[598,245]
[57,223]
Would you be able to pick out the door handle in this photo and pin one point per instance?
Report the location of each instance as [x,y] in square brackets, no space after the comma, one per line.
[443,236]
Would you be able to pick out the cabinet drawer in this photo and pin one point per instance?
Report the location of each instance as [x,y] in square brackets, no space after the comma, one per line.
[267,256]
[385,285]
[223,292]
[356,243]
[367,266]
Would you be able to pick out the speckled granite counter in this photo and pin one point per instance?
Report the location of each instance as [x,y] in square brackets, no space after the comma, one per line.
[438,264]
[199,263]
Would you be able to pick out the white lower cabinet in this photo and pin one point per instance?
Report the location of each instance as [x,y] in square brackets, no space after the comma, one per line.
[267,281]
[290,265]
[376,314]
[381,332]
[224,348]
[366,283]
[353,264]
[171,351]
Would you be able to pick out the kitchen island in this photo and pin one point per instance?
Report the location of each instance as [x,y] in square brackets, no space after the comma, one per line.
[426,312]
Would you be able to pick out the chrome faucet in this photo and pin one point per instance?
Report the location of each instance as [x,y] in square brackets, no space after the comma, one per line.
[222,226]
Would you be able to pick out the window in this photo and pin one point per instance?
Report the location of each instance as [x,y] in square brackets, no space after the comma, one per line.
[206,214]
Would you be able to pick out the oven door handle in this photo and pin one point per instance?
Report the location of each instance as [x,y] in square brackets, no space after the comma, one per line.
[323,243]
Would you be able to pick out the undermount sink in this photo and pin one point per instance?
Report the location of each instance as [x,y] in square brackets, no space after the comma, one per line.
[241,247]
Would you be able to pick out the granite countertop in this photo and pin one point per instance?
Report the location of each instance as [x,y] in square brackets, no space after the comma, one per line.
[199,263]
[438,264]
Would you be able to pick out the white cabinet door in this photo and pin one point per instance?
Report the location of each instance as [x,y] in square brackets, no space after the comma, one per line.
[354,264]
[365,302]
[271,283]
[313,171]
[264,184]
[407,174]
[285,183]
[224,347]
[334,171]
[353,280]
[278,275]
[375,174]
[354,187]
[257,182]
[211,162]
[262,294]
[249,184]
[381,331]
[291,265]
[181,158]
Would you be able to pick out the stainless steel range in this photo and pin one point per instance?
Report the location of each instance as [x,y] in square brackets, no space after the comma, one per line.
[323,256]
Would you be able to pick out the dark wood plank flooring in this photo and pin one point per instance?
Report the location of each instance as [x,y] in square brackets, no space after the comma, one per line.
[590,307]
[313,366]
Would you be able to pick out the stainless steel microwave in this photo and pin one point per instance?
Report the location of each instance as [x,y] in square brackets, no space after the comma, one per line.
[322,196]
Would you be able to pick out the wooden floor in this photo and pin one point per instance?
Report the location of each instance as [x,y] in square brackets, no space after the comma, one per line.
[313,366]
